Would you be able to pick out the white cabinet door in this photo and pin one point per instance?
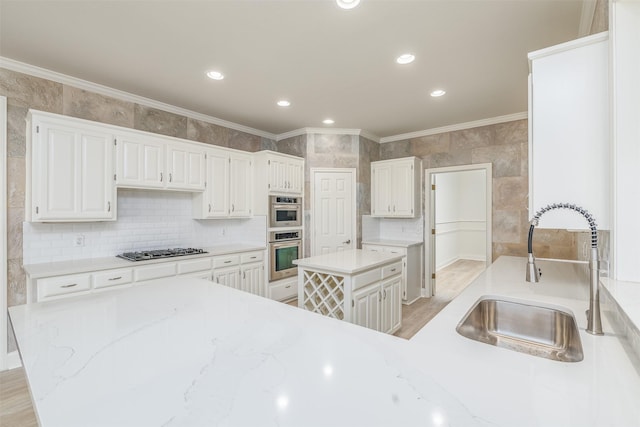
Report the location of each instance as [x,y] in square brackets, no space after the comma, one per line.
[228,276]
[366,306]
[396,188]
[139,162]
[295,177]
[380,191]
[241,180]
[391,310]
[253,278]
[214,201]
[403,184]
[72,172]
[185,167]
[277,174]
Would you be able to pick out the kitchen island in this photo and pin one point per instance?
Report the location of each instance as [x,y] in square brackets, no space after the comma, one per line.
[357,286]
[188,352]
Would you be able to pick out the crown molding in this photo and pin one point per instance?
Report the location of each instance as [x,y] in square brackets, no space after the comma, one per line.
[34,71]
[327,131]
[573,44]
[459,126]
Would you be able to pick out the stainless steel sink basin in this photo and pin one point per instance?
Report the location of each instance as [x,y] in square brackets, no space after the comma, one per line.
[543,331]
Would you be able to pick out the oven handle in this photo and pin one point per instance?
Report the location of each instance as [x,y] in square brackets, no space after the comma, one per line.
[298,243]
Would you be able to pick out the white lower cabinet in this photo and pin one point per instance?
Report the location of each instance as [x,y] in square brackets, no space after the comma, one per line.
[243,270]
[283,289]
[59,286]
[229,276]
[411,285]
[391,309]
[366,306]
[378,305]
[110,278]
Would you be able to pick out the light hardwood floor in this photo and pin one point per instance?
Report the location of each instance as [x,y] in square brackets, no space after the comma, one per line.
[450,281]
[15,402]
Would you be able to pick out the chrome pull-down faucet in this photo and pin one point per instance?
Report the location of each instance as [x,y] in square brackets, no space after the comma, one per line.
[594,321]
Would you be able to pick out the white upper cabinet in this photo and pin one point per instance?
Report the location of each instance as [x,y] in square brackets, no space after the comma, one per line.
[139,161]
[241,182]
[185,166]
[279,173]
[569,132]
[228,191]
[70,176]
[396,188]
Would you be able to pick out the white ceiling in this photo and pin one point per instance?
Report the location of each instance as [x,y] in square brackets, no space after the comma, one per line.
[327,61]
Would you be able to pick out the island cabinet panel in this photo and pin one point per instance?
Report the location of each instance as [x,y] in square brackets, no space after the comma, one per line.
[411,284]
[366,307]
[365,288]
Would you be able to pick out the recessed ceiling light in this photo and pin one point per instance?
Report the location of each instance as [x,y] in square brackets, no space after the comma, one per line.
[283,103]
[405,58]
[328,121]
[215,75]
[438,92]
[348,4]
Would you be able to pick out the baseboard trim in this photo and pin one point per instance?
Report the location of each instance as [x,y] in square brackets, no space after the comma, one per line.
[13,360]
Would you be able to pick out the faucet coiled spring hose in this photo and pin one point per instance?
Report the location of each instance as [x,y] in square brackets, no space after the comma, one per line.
[581,211]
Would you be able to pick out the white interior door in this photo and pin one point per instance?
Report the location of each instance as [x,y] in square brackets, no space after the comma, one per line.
[333,210]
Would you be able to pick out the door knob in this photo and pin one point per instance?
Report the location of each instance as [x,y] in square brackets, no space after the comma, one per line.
[347,242]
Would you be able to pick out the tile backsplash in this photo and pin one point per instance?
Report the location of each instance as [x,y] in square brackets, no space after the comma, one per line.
[147,219]
[411,229]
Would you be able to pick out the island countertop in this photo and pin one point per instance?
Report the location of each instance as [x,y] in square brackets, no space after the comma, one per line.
[187,352]
[350,262]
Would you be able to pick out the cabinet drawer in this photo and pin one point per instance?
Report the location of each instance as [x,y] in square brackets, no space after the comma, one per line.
[395,250]
[155,271]
[283,290]
[193,265]
[108,278]
[251,257]
[365,278]
[62,285]
[392,270]
[226,261]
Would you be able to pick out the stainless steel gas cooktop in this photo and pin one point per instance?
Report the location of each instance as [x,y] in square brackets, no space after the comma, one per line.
[160,253]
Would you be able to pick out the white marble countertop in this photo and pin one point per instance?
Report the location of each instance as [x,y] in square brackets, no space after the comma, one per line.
[37,271]
[350,262]
[186,352]
[397,243]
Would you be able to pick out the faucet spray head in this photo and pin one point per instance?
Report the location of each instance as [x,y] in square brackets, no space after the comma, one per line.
[533,274]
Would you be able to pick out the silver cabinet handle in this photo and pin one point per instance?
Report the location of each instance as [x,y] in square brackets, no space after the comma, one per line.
[379,296]
[209,207]
[384,294]
[227,262]
[287,287]
[108,206]
[394,208]
[160,176]
[233,207]
[254,257]
[170,177]
[388,208]
[116,278]
[71,285]
[393,270]
[346,242]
